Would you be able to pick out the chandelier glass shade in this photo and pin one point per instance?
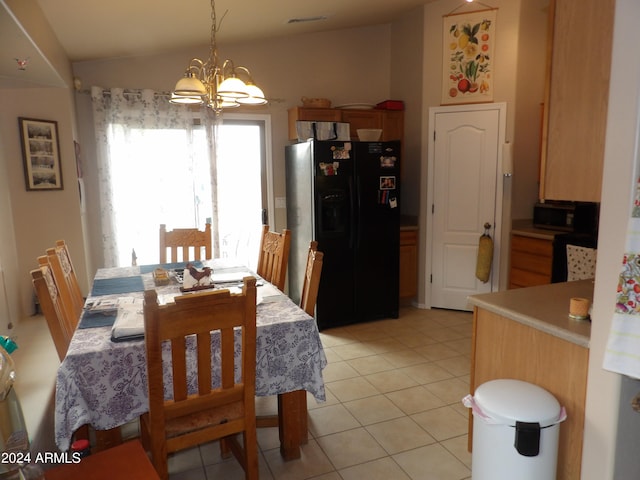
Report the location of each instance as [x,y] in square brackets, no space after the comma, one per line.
[214,85]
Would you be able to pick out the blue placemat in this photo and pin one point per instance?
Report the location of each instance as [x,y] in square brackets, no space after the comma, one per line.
[168,266]
[112,286]
[93,320]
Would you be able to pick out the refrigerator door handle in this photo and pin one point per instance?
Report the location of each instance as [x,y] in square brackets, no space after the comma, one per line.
[354,218]
[352,213]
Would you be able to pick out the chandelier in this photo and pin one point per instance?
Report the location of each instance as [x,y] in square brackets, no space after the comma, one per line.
[214,85]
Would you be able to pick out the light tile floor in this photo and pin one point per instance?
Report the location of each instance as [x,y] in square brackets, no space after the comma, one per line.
[393,409]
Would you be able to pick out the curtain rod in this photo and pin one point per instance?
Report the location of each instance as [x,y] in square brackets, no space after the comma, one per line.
[107,92]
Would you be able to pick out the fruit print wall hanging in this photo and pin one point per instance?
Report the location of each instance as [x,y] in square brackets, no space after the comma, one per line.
[467,68]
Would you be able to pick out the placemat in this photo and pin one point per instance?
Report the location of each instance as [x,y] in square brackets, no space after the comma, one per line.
[94,320]
[111,286]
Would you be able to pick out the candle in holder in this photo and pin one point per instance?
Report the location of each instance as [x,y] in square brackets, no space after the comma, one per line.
[579,308]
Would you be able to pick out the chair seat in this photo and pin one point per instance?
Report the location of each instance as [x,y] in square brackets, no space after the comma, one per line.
[202,420]
[124,462]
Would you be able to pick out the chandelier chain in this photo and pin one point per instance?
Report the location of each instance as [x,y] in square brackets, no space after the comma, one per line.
[214,85]
[213,53]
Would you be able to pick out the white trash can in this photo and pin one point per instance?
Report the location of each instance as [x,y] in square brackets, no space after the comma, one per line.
[515,431]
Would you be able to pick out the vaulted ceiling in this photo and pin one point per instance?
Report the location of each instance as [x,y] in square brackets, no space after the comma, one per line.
[93,29]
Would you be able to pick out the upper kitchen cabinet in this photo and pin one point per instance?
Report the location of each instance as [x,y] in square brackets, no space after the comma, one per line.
[575,115]
[311,115]
[390,121]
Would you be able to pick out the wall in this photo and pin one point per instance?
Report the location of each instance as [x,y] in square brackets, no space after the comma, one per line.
[32,221]
[407,46]
[516,60]
[530,85]
[39,218]
[346,66]
[9,291]
[620,156]
[627,461]
[35,24]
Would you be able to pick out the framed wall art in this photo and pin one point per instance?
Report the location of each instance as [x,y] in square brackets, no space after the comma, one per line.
[40,154]
[467,59]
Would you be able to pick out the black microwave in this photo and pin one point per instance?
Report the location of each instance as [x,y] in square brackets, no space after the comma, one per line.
[565,216]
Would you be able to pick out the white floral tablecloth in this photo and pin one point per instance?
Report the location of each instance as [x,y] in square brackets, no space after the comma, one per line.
[104,384]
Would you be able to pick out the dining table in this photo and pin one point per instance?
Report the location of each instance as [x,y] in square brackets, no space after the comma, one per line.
[102,381]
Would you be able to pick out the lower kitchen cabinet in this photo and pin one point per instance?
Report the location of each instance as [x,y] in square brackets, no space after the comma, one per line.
[531,261]
[408,264]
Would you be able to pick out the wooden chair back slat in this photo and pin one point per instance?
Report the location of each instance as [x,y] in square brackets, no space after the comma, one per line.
[311,281]
[185,244]
[179,368]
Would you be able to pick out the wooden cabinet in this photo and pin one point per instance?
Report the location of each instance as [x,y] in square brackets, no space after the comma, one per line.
[408,264]
[390,121]
[393,125]
[361,119]
[575,115]
[311,115]
[531,261]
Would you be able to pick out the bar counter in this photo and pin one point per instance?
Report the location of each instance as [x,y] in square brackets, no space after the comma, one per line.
[545,308]
[527,334]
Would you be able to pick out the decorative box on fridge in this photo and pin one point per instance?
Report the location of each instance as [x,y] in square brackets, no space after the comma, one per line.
[322,131]
[391,105]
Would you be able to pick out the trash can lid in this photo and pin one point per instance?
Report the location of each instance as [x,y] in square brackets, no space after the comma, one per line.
[507,401]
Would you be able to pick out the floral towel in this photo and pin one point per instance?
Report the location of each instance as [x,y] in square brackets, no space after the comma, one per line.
[623,348]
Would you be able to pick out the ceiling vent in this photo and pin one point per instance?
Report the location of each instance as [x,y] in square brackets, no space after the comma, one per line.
[308,19]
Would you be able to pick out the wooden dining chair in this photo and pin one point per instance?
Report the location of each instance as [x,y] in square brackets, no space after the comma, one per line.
[65,276]
[311,281]
[52,306]
[70,303]
[273,256]
[193,417]
[308,299]
[190,242]
[123,462]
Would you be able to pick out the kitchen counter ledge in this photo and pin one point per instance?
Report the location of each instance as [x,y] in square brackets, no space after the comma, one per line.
[544,307]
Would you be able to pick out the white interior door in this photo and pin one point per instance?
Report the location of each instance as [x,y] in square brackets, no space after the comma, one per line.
[465,194]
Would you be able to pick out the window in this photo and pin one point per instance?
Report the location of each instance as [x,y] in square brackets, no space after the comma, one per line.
[163,176]
[242,192]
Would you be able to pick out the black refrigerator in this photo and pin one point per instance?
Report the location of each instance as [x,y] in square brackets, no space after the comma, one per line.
[345,195]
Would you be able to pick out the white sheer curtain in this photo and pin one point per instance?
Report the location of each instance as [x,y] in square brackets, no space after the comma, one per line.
[156,164]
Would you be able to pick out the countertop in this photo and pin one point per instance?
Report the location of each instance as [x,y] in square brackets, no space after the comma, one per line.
[408,222]
[526,229]
[545,308]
